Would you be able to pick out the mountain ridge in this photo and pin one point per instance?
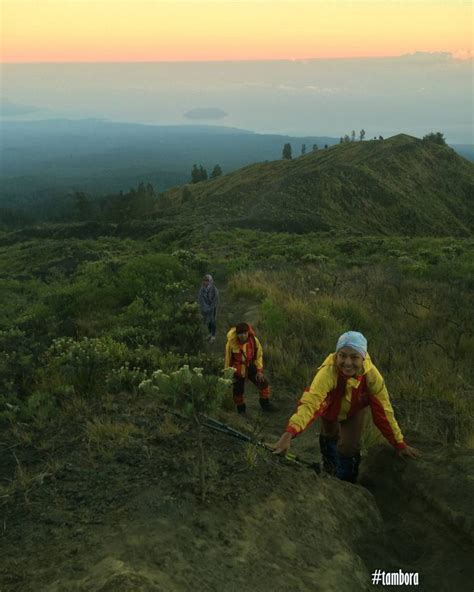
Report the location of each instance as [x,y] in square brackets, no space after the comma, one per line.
[396,186]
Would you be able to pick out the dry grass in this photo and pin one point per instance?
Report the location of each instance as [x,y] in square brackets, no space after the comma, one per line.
[251,286]
[24,480]
[76,407]
[105,435]
[170,427]
[251,455]
[21,434]
[419,338]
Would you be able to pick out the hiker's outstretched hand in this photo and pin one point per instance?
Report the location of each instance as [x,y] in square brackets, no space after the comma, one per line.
[283,444]
[409,452]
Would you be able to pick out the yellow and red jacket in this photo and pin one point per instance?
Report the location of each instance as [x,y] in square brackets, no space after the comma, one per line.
[336,398]
[241,355]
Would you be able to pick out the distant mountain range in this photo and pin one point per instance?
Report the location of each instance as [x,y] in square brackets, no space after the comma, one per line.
[205,113]
[53,158]
[401,185]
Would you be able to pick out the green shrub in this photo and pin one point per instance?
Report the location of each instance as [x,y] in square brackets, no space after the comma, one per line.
[429,256]
[16,362]
[126,378]
[149,275]
[193,393]
[193,260]
[182,329]
[84,364]
[40,407]
[190,391]
[161,322]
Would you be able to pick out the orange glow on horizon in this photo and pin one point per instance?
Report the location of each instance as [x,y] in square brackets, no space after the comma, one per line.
[144,31]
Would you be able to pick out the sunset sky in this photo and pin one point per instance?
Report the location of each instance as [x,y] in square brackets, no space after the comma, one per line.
[190,30]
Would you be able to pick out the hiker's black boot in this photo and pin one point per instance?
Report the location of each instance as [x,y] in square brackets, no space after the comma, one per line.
[242,409]
[348,467]
[328,447]
[266,406]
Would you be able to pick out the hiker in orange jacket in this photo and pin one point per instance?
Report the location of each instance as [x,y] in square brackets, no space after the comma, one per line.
[345,384]
[244,353]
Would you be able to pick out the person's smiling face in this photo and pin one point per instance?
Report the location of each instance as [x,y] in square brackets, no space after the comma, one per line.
[349,362]
[242,337]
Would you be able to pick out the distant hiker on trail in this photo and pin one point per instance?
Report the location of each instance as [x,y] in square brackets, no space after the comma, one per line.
[244,353]
[208,299]
[345,384]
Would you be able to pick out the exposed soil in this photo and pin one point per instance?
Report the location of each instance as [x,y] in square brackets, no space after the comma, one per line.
[134,521]
[130,518]
[428,515]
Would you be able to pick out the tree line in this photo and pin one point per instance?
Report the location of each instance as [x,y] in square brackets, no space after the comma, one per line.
[199,174]
[433,137]
[288,151]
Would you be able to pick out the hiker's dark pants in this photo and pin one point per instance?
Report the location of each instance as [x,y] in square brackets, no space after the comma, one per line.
[340,446]
[239,385]
[211,325]
[210,321]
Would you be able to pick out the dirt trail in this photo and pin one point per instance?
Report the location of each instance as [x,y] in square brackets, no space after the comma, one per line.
[428,516]
[427,528]
[130,520]
[230,312]
[133,521]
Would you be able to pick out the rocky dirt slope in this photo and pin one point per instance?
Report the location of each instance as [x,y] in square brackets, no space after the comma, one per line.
[132,520]
[128,518]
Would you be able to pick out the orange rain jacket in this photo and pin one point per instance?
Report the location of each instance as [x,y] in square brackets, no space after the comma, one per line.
[336,398]
[241,355]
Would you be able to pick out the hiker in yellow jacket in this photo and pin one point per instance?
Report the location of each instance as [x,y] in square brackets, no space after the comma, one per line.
[345,384]
[244,353]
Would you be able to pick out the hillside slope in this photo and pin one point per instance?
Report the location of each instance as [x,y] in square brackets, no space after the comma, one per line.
[128,517]
[397,186]
[99,487]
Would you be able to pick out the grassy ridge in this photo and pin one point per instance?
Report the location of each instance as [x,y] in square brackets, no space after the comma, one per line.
[90,309]
[398,186]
